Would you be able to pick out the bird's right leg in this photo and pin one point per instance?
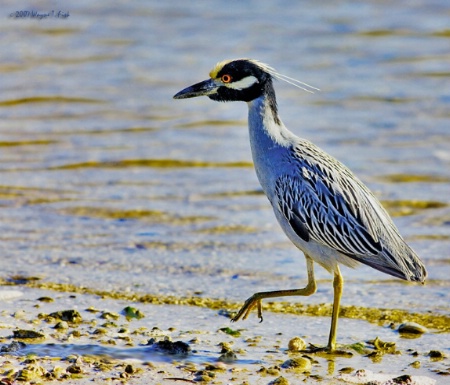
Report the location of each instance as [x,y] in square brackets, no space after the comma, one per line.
[255,299]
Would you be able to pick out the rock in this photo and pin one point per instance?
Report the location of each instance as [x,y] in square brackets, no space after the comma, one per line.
[72,316]
[13,347]
[228,356]
[27,334]
[225,347]
[62,325]
[109,315]
[412,328]
[300,364]
[45,299]
[296,344]
[169,347]
[415,364]
[31,373]
[279,381]
[74,369]
[436,355]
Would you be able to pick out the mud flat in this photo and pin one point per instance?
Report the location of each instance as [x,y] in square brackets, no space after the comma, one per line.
[53,333]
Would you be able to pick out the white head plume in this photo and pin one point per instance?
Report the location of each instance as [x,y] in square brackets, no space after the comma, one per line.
[294,82]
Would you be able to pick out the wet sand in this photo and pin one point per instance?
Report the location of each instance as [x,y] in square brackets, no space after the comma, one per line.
[79,336]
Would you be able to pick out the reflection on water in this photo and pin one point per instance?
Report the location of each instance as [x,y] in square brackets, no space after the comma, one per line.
[98,164]
[142,353]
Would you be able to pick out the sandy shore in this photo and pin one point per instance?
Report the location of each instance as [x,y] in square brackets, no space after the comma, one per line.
[80,336]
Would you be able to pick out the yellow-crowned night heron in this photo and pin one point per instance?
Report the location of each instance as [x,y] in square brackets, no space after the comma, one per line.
[322,207]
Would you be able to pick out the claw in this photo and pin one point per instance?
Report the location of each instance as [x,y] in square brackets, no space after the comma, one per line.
[260,312]
[247,308]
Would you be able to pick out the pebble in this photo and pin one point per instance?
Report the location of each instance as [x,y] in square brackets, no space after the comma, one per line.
[300,364]
[279,381]
[13,347]
[296,344]
[27,334]
[72,316]
[228,356]
[436,355]
[412,328]
[169,347]
[62,325]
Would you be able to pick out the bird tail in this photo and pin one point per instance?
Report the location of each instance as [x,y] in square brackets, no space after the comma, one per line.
[405,265]
[409,265]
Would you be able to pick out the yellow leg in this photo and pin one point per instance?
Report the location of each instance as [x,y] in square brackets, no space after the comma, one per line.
[338,284]
[255,299]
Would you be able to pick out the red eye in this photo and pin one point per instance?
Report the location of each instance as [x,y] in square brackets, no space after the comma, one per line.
[226,78]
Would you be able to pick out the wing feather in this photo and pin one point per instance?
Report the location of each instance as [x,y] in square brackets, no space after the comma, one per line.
[331,205]
[325,215]
[323,201]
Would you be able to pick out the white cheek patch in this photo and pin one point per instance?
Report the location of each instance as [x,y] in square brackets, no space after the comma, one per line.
[243,83]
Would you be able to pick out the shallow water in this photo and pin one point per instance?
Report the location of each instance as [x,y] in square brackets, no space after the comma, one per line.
[103,340]
[106,182]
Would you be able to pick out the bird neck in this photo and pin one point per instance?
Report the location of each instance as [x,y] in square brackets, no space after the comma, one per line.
[271,100]
[264,122]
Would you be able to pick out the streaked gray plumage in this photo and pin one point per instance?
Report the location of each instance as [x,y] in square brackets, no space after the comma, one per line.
[322,207]
[323,203]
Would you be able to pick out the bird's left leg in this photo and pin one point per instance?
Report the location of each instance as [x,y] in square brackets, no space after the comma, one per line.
[255,299]
[338,285]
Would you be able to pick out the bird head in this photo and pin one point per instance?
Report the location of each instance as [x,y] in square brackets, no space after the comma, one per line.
[232,80]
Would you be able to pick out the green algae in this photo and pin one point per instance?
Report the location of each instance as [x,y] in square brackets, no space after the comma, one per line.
[47,99]
[398,208]
[228,229]
[132,313]
[380,316]
[384,347]
[414,178]
[151,216]
[18,143]
[31,373]
[228,194]
[211,122]
[32,196]
[152,163]
[231,332]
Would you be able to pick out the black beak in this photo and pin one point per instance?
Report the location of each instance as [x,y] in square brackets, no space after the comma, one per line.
[207,87]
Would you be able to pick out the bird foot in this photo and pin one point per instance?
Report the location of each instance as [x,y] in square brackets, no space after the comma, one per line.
[245,310]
